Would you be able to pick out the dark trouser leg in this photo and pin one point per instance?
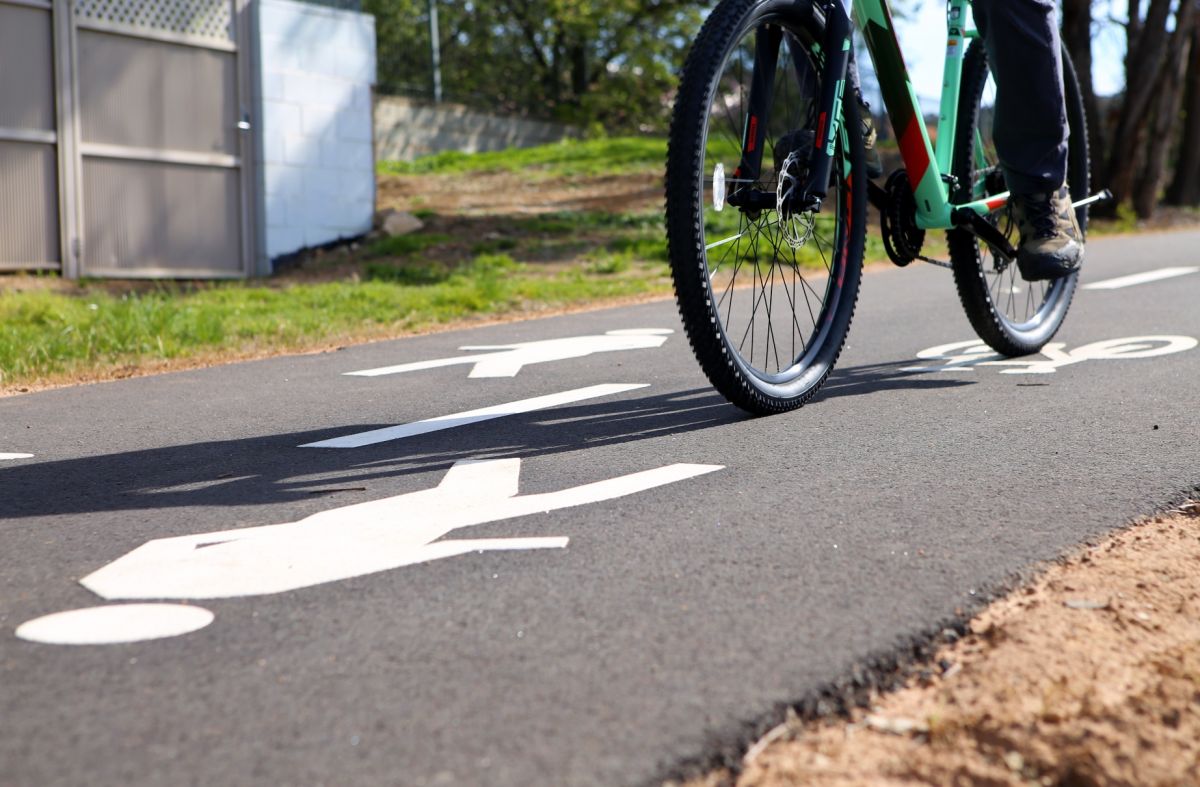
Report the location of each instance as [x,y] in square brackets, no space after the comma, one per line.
[1023,49]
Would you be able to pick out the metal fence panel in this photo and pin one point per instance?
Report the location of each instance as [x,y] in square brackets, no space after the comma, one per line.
[151,94]
[155,219]
[29,226]
[122,141]
[28,206]
[203,18]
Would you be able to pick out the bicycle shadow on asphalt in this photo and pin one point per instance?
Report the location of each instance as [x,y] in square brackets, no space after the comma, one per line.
[882,377]
[273,469]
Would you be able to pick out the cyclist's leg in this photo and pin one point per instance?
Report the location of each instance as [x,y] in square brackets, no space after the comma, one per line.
[1021,37]
[1022,42]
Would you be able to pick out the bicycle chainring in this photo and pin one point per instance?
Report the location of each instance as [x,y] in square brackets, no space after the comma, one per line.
[902,238]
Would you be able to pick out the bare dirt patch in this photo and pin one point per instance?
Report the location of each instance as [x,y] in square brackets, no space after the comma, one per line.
[513,193]
[1090,675]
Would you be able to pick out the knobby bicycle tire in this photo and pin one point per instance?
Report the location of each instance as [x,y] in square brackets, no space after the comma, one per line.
[737,374]
[992,306]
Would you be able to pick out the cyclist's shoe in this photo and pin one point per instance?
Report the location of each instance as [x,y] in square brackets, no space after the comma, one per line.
[874,164]
[1051,241]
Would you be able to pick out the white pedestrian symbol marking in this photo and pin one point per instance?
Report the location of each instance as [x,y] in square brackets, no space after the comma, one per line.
[506,360]
[348,542]
[964,356]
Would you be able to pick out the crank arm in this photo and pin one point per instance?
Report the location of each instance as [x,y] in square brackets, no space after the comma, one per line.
[980,227]
[1103,196]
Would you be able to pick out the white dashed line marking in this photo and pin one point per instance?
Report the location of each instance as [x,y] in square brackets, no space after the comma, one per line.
[1140,278]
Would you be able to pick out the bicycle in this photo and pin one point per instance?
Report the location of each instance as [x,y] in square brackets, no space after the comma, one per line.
[763,90]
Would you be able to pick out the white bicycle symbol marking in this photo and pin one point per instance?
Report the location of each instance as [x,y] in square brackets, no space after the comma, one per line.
[1055,355]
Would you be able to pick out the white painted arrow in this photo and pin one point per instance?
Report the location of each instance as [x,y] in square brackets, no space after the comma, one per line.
[506,360]
[355,540]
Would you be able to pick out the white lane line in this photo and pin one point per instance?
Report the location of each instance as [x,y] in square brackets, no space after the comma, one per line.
[16,456]
[1140,278]
[473,416]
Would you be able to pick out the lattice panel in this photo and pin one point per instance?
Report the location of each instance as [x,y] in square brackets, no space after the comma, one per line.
[204,18]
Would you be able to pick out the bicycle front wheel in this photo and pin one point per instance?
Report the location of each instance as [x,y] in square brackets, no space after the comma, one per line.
[766,293]
[1014,316]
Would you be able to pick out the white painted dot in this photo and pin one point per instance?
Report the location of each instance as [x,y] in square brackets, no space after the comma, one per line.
[115,624]
[16,456]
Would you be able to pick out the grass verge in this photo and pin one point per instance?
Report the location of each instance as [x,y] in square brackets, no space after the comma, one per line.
[47,335]
[569,158]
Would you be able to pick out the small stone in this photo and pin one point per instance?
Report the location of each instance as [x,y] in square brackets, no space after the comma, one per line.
[896,726]
[1014,761]
[1085,603]
[398,222]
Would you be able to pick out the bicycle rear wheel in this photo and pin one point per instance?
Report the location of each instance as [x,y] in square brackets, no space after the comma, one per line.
[1014,316]
[766,293]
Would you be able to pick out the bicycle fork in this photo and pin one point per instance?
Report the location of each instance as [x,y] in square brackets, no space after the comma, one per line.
[767,41]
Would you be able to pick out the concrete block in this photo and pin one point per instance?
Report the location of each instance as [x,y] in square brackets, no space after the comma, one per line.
[309,89]
[284,240]
[300,149]
[354,124]
[272,85]
[279,117]
[318,120]
[281,178]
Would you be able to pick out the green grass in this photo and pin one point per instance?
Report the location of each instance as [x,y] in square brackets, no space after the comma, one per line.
[403,245]
[45,334]
[569,158]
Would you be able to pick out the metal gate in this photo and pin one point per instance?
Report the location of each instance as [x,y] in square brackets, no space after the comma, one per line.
[123,149]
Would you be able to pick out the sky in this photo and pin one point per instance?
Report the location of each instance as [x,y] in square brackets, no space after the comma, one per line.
[922,39]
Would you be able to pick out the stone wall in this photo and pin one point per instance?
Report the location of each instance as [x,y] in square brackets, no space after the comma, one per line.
[406,128]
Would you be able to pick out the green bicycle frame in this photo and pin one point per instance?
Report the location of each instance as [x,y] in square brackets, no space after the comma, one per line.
[927,168]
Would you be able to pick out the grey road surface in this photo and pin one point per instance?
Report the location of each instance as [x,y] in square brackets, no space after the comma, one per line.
[674,614]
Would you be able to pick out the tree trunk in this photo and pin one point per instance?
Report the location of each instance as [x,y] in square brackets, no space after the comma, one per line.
[1185,187]
[1077,36]
[1143,66]
[1165,117]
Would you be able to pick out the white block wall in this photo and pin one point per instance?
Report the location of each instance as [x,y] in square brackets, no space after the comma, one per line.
[317,68]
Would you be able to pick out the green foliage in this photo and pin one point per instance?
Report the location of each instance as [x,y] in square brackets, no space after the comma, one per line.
[596,64]
[404,245]
[414,274]
[569,158]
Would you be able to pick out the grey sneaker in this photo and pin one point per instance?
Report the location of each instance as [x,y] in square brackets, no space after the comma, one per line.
[1051,242]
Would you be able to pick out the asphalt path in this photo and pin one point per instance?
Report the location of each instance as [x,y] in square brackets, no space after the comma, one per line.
[682,610]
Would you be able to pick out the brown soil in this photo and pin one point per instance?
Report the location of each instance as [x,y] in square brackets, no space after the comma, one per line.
[510,193]
[1088,676]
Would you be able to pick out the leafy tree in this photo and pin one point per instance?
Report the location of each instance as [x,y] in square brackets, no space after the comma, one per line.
[588,62]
